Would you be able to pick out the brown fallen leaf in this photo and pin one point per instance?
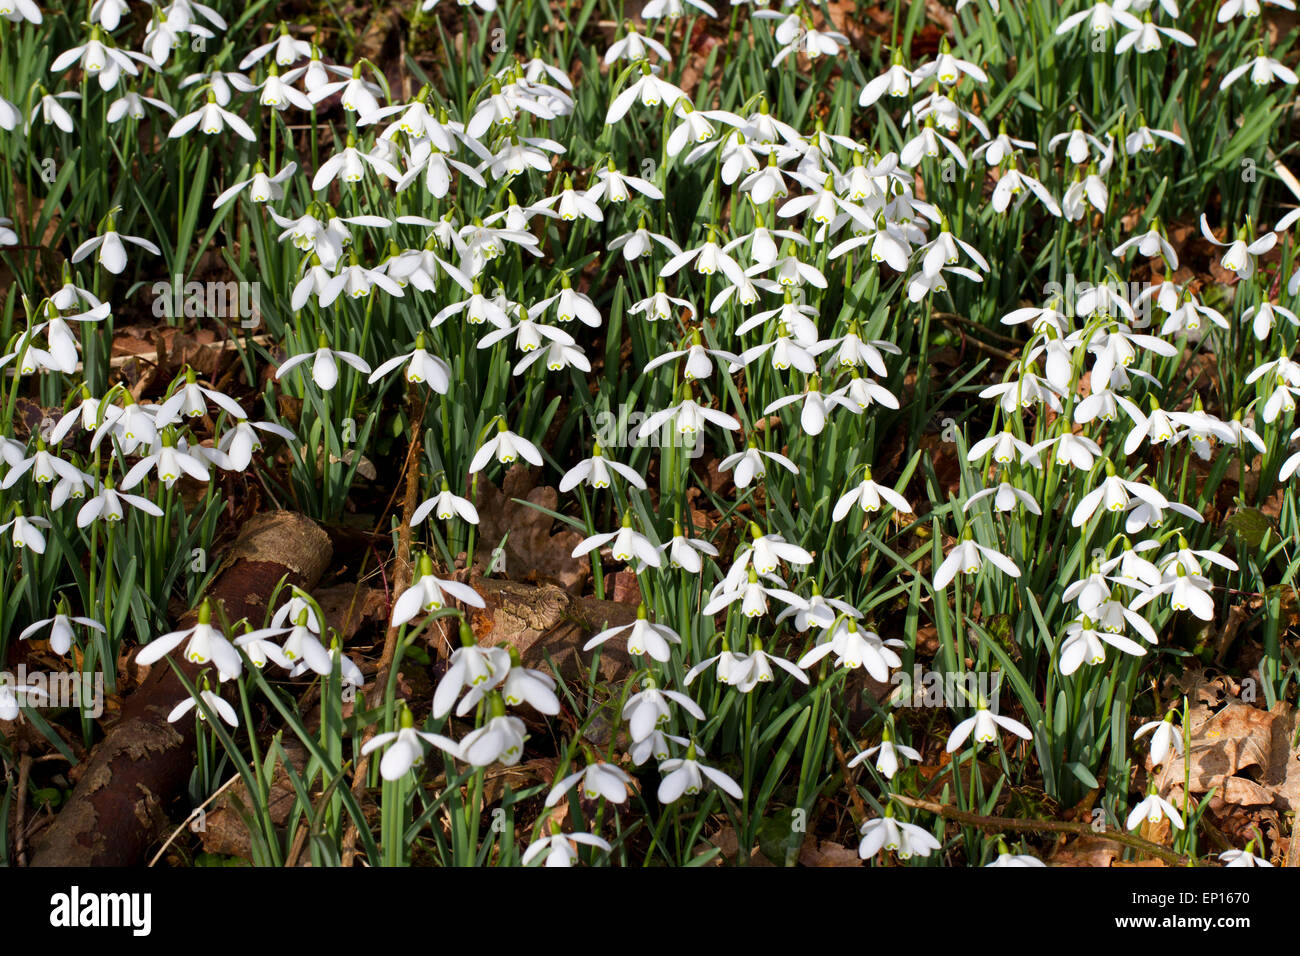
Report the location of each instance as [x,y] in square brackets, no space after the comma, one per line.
[1236,739]
[827,853]
[545,621]
[1085,851]
[520,542]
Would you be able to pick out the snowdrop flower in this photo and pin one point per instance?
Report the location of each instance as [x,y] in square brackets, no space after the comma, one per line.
[559,848]
[1000,147]
[687,416]
[599,780]
[1263,70]
[1151,244]
[1246,857]
[1187,592]
[684,553]
[107,504]
[648,88]
[868,495]
[61,628]
[357,95]
[1167,739]
[887,762]
[1078,144]
[985,726]
[1113,493]
[596,471]
[897,81]
[1077,451]
[421,368]
[99,60]
[1084,190]
[947,68]
[212,701]
[471,666]
[728,663]
[43,466]
[325,367]
[904,839]
[699,364]
[522,685]
[288,51]
[1004,446]
[647,710]
[1101,17]
[259,649]
[1248,9]
[51,111]
[967,557]
[206,644]
[1240,257]
[446,506]
[633,46]
[818,610]
[816,406]
[1152,808]
[16,11]
[500,740]
[190,400]
[15,695]
[643,637]
[1005,498]
[506,446]
[1146,38]
[405,747]
[428,593]
[673,9]
[25,532]
[767,551]
[686,776]
[169,461]
[1008,859]
[111,251]
[747,671]
[1083,642]
[853,649]
[1263,317]
[749,464]
[641,243]
[613,186]
[211,119]
[1013,184]
[240,443]
[626,545]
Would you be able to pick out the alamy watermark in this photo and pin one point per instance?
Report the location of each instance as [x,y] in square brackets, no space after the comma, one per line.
[954,689]
[622,429]
[1129,302]
[213,300]
[56,689]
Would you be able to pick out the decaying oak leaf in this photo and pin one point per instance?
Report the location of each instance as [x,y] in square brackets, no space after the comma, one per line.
[519,542]
[1085,851]
[1244,754]
[826,853]
[546,621]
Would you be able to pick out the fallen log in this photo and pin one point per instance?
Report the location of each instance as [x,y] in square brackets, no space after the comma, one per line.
[117,810]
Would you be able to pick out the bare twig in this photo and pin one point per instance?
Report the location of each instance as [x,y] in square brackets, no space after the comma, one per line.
[1046,826]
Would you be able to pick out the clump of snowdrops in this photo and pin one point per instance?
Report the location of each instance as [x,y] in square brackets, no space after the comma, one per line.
[601,247]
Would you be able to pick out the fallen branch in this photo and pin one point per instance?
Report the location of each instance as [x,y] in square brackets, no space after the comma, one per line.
[1046,826]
